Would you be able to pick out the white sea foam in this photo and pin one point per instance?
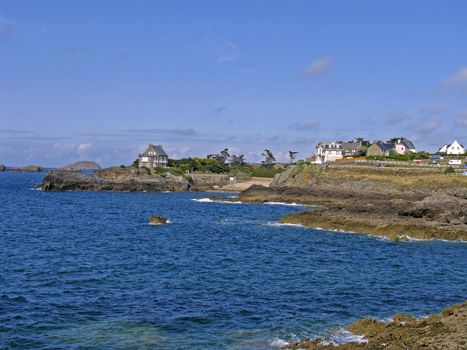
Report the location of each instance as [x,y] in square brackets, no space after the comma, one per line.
[408,238]
[286,204]
[343,336]
[278,224]
[158,224]
[209,200]
[279,343]
[339,231]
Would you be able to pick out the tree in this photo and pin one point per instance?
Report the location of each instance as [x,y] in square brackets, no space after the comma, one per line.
[221,157]
[237,161]
[224,155]
[363,142]
[292,155]
[135,164]
[269,158]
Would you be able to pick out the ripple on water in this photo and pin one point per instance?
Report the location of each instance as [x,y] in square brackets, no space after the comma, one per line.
[83,270]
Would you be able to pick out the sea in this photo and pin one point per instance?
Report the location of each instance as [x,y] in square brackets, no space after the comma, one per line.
[84,270]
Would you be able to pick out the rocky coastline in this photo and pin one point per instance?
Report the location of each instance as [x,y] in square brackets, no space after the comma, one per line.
[123,179]
[445,330]
[395,206]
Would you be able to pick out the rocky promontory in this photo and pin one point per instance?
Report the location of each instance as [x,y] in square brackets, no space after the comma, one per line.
[81,165]
[395,204]
[2,167]
[446,330]
[26,169]
[125,179]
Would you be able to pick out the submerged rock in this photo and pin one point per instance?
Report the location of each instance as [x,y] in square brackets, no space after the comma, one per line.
[157,220]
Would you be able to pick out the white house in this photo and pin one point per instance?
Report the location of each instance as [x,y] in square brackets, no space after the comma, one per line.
[153,157]
[454,148]
[331,151]
[404,146]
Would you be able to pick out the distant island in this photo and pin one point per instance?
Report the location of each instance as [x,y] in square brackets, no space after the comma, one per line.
[22,169]
[81,165]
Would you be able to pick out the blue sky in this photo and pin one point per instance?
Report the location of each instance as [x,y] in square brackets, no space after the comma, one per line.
[100,80]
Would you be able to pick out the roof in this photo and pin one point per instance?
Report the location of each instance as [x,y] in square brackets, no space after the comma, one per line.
[158,150]
[351,145]
[386,146]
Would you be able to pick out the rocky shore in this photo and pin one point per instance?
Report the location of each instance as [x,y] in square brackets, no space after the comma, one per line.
[446,330]
[127,179]
[397,206]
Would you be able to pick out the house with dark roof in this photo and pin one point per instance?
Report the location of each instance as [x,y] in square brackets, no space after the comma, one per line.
[455,148]
[403,145]
[331,151]
[154,157]
[380,148]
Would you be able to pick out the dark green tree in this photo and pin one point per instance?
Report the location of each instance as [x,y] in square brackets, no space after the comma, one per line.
[237,161]
[269,158]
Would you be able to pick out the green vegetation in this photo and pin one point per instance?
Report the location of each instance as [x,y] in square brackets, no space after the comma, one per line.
[449,170]
[401,157]
[221,163]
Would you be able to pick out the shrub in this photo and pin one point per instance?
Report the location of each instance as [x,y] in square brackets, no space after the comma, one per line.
[265,171]
[449,170]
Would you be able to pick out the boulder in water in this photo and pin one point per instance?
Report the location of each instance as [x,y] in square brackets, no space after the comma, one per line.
[157,220]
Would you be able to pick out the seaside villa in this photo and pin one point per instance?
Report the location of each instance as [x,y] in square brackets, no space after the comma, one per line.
[154,157]
[331,151]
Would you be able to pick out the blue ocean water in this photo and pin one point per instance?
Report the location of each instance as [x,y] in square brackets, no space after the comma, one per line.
[83,270]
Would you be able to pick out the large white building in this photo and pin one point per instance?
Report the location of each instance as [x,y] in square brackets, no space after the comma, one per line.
[331,151]
[154,157]
[454,148]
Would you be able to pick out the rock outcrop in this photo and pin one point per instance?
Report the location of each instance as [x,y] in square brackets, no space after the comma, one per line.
[127,179]
[81,165]
[114,179]
[394,205]
[446,330]
[157,220]
[2,167]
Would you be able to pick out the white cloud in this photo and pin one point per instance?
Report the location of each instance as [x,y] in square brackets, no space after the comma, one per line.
[317,67]
[6,28]
[398,118]
[426,127]
[83,147]
[307,126]
[228,51]
[457,79]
